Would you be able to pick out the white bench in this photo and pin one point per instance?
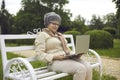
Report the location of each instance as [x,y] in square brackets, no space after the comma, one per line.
[21,69]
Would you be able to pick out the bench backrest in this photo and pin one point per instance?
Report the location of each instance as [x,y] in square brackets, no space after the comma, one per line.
[5,48]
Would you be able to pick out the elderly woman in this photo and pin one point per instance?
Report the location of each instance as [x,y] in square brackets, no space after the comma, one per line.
[50,47]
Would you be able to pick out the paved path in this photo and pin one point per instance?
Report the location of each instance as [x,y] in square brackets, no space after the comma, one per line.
[110,66]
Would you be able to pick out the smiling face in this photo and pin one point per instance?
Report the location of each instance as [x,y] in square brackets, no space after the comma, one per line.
[53,26]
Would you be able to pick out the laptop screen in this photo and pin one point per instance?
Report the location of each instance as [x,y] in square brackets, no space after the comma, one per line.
[82,43]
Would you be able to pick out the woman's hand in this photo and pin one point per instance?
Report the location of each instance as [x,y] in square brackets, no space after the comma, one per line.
[59,57]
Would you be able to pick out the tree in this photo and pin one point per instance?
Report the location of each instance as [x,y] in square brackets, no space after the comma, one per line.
[79,24]
[6,20]
[58,7]
[96,23]
[110,20]
[117,2]
[31,14]
[55,4]
[110,23]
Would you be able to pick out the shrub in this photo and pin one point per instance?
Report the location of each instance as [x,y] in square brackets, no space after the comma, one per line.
[100,39]
[19,42]
[110,30]
[74,33]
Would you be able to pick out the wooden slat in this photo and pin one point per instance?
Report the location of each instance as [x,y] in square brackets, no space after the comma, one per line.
[44,74]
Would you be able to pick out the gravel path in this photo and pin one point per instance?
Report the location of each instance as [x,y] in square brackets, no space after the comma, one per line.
[110,66]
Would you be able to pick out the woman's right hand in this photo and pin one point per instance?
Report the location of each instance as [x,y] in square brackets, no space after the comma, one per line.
[59,57]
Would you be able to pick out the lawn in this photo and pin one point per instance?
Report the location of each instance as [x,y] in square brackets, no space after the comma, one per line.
[112,53]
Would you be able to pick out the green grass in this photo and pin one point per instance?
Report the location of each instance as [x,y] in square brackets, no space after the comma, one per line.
[95,77]
[113,52]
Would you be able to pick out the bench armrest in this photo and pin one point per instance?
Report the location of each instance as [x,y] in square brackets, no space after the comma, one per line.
[98,59]
[19,68]
[95,61]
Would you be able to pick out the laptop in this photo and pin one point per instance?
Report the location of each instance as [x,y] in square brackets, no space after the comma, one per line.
[82,43]
[82,46]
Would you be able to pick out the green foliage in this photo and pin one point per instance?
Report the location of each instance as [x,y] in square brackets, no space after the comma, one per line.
[37,64]
[110,24]
[74,33]
[28,19]
[31,15]
[55,3]
[100,39]
[10,55]
[113,52]
[110,30]
[79,24]
[6,20]
[117,3]
[96,23]
[110,20]
[70,77]
[1,75]
[19,42]
[104,77]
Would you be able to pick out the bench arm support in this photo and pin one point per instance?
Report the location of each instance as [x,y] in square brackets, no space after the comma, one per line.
[99,62]
[96,55]
[19,69]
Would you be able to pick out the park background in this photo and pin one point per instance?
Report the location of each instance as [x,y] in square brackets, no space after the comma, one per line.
[104,31]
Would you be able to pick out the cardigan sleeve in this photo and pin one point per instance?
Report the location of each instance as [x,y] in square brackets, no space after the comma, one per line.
[40,48]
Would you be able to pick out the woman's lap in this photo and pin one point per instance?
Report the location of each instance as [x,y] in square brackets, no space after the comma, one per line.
[69,66]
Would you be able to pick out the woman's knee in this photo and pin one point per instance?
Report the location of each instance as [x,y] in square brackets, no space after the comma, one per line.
[86,64]
[81,69]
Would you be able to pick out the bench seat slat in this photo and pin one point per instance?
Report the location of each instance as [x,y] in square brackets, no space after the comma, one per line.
[39,76]
[41,68]
[44,76]
[95,65]
[57,76]
[41,71]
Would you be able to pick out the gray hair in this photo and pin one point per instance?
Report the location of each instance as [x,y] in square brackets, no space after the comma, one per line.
[51,16]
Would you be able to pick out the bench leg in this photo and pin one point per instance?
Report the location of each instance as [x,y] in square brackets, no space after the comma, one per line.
[100,72]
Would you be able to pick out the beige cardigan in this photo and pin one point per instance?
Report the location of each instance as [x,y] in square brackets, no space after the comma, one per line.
[46,47]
